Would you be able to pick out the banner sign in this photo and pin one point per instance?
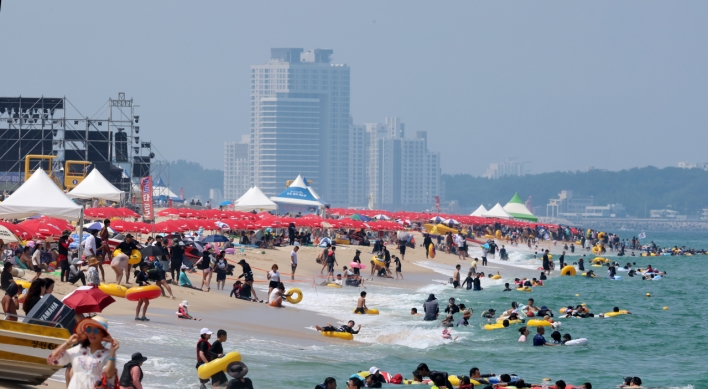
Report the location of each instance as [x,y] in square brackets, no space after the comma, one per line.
[146,191]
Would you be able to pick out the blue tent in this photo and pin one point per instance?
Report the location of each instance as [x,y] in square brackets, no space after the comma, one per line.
[298,195]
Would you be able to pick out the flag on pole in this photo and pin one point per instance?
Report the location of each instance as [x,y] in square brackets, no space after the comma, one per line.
[642,236]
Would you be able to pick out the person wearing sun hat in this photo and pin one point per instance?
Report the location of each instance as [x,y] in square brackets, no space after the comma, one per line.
[132,375]
[238,371]
[92,277]
[90,360]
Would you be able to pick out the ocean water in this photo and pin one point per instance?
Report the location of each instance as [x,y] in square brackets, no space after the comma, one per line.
[664,347]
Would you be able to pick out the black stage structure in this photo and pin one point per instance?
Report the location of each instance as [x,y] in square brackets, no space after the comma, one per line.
[110,139]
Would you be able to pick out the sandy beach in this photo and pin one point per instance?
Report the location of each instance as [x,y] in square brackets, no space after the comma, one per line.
[255,320]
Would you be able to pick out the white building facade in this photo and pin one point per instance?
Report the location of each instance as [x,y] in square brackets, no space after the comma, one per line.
[400,172]
[237,171]
[300,123]
[508,168]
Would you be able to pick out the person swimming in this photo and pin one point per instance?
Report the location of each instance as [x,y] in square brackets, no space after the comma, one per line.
[566,338]
[506,288]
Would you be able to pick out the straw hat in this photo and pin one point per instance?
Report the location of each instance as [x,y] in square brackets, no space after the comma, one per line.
[93,261]
[95,322]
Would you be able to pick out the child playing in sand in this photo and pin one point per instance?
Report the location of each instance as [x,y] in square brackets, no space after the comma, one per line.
[183,311]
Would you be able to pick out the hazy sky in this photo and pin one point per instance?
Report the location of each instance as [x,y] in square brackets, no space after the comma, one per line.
[563,85]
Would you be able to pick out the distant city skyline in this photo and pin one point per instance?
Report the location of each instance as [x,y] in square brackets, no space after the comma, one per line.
[613,85]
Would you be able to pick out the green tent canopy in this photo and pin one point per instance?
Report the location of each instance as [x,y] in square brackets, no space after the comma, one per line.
[516,208]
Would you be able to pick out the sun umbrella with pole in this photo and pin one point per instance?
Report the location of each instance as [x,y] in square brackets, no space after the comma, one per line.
[88,299]
[215,239]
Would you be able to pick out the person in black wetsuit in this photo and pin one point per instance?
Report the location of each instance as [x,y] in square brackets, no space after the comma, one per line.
[217,351]
[349,327]
[467,283]
[247,272]
[477,283]
[176,256]
[452,308]
[427,242]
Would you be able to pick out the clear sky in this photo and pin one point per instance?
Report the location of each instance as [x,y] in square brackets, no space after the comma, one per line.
[564,85]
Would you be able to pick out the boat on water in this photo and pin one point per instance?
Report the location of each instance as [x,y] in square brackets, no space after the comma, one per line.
[24,349]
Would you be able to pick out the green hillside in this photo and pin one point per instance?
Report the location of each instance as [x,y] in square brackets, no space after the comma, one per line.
[639,189]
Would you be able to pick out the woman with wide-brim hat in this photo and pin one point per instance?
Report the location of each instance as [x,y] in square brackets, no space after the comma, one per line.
[91,361]
[238,371]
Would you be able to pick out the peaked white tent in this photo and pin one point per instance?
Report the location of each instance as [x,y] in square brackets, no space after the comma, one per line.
[245,194]
[95,185]
[254,200]
[479,211]
[39,195]
[498,212]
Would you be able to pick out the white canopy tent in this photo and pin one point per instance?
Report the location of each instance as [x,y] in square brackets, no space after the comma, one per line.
[95,185]
[39,195]
[254,200]
[498,212]
[245,194]
[479,211]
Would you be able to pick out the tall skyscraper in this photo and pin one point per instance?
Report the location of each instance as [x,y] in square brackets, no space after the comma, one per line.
[237,172]
[400,172]
[300,123]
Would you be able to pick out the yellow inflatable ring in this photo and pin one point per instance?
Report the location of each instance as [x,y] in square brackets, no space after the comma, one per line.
[135,257]
[455,381]
[525,289]
[143,292]
[496,277]
[501,320]
[24,284]
[113,290]
[338,335]
[207,370]
[611,314]
[377,262]
[568,271]
[595,265]
[490,327]
[370,311]
[334,285]
[536,323]
[550,256]
[117,252]
[297,292]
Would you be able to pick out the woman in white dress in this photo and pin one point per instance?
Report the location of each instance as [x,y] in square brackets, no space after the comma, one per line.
[90,361]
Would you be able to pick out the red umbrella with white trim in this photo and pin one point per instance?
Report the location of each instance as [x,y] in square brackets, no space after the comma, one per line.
[88,299]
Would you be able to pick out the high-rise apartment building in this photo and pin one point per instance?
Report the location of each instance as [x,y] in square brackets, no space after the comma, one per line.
[508,168]
[400,172]
[237,172]
[300,123]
